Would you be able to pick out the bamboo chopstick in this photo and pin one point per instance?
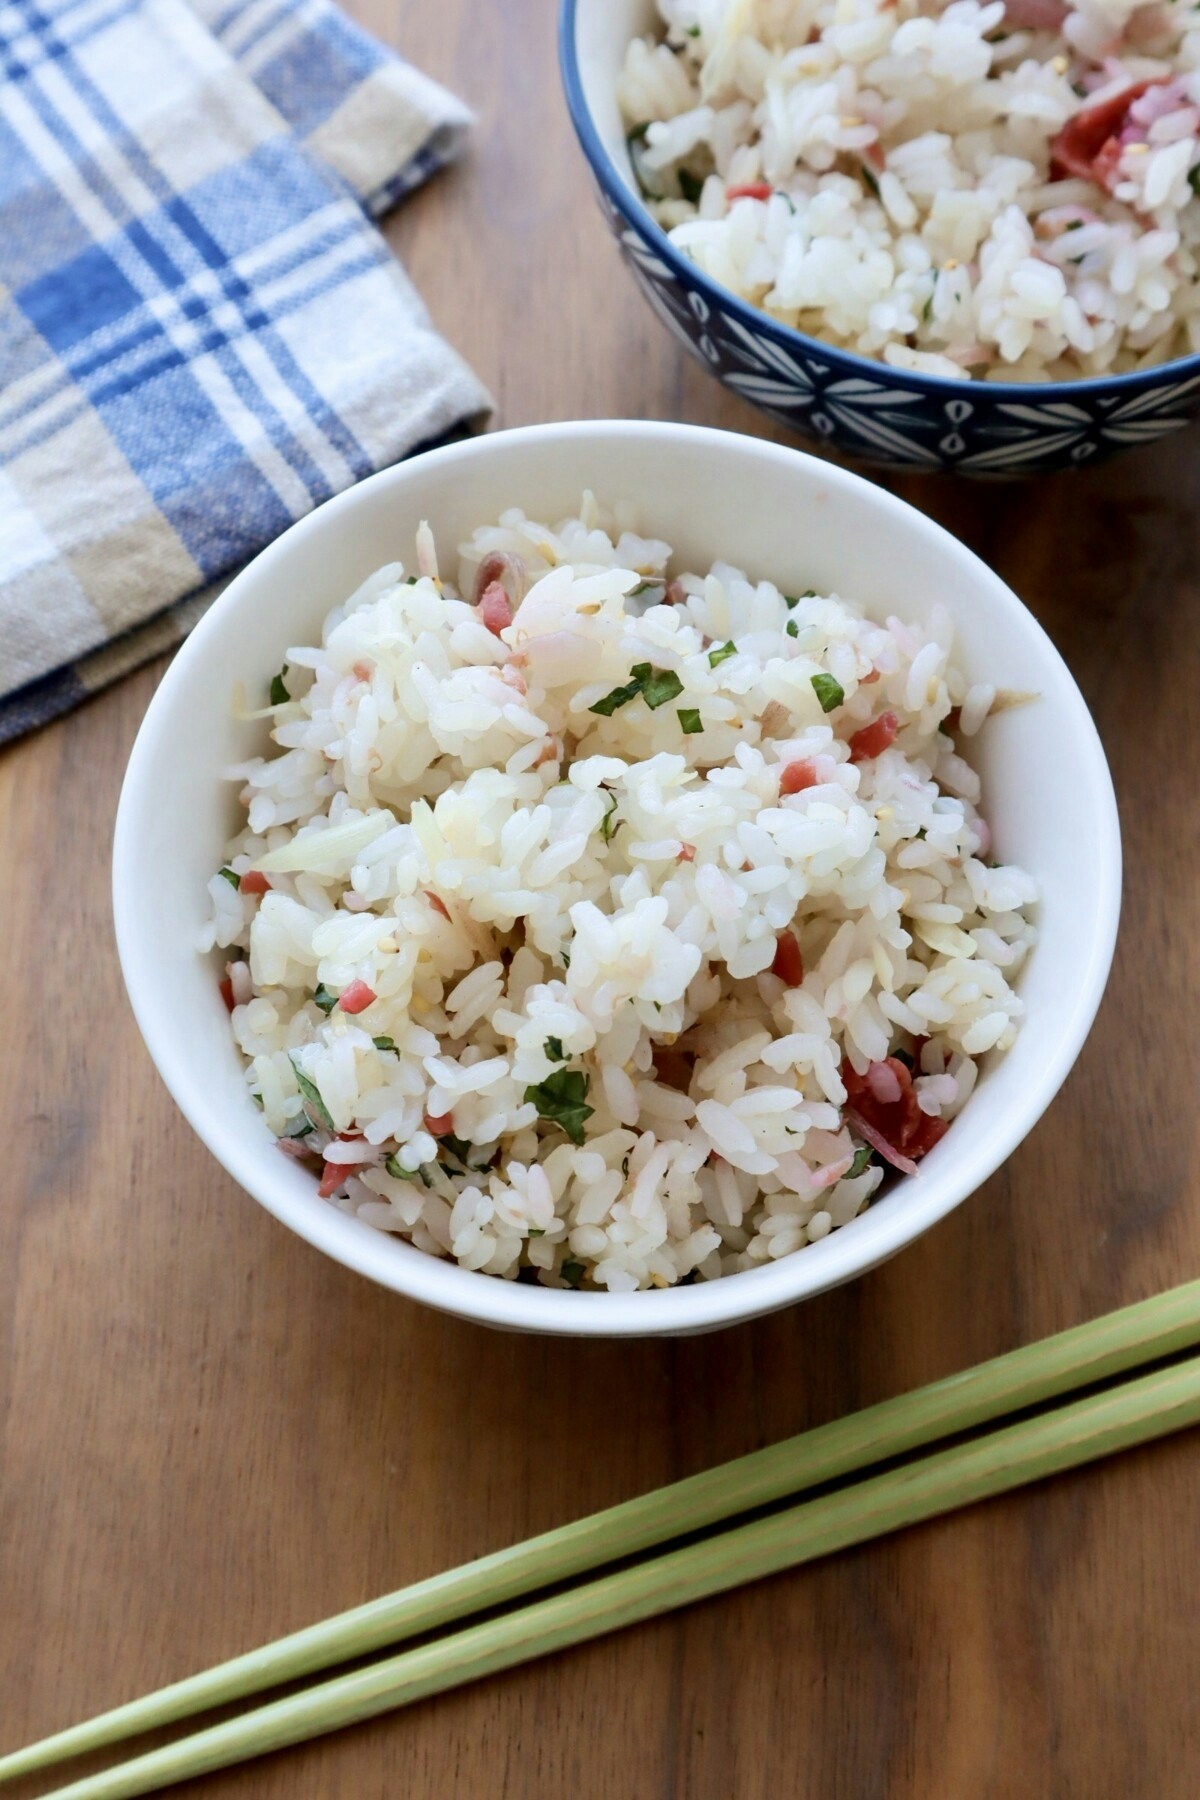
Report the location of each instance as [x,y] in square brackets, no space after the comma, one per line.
[1078,1432]
[1111,1345]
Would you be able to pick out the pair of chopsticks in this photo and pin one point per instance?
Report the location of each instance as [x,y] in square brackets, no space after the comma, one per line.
[1092,1424]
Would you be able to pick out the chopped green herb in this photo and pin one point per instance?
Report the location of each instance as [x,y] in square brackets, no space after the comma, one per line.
[314,1106]
[619,696]
[691,186]
[399,1173]
[869,176]
[793,630]
[828,691]
[608,824]
[325,1000]
[566,959]
[927,309]
[410,580]
[692,31]
[554,1050]
[722,653]
[562,1100]
[658,685]
[862,1157]
[795,599]
[1193,182]
[634,141]
[572,1272]
[301,1126]
[689,718]
[460,1149]
[538,1231]
[279,693]
[258,1100]
[235,881]
[643,587]
[385,1043]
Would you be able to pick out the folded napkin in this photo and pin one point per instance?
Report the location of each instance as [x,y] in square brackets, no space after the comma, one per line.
[201,334]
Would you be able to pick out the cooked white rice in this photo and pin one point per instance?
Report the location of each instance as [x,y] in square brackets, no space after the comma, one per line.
[923,207]
[557,917]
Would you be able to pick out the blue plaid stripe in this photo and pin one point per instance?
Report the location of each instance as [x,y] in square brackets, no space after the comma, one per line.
[306,56]
[173,243]
[196,319]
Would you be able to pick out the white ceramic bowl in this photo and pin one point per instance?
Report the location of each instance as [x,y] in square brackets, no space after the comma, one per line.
[777,513]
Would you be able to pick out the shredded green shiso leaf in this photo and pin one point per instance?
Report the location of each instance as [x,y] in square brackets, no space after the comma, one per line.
[316,1108]
[398,1173]
[656,686]
[829,692]
[562,1100]
[460,1150]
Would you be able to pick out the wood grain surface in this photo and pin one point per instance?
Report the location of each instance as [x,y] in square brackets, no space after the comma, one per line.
[210,1435]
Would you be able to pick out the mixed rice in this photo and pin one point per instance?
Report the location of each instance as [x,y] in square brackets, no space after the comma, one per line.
[610,929]
[997,188]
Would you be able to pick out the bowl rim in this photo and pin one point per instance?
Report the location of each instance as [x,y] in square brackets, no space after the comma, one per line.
[789,337]
[443,1284]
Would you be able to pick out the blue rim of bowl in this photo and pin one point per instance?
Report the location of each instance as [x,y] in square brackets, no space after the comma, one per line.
[1132,381]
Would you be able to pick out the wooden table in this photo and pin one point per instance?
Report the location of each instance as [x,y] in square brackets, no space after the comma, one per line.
[209,1434]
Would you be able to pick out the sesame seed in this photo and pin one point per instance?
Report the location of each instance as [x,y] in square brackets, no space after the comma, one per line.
[1060,65]
[950,265]
[1136,149]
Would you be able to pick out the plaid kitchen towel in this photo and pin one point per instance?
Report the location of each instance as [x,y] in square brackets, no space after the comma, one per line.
[201,334]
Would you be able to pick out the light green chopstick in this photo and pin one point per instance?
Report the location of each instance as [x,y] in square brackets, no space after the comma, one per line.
[1078,1432]
[1108,1346]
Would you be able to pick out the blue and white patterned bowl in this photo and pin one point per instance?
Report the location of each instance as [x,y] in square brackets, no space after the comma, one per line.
[865,409]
